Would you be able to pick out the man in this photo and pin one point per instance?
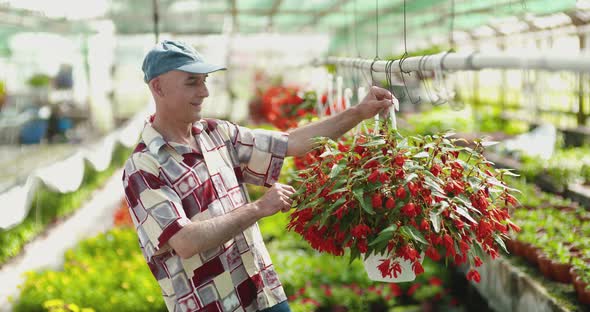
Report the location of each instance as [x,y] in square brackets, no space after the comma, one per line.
[185,186]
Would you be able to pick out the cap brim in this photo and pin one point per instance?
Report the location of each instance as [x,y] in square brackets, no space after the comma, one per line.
[200,68]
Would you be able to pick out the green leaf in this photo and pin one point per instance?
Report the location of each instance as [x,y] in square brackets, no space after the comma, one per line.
[463,201]
[402,144]
[500,242]
[336,169]
[354,254]
[478,251]
[411,177]
[489,143]
[374,143]
[359,195]
[474,183]
[421,155]
[435,219]
[462,211]
[411,232]
[508,172]
[337,203]
[329,152]
[429,145]
[384,235]
[435,187]
[340,190]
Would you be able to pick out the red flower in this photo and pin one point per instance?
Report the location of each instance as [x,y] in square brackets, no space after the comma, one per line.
[424,226]
[435,170]
[514,227]
[409,210]
[473,275]
[477,261]
[383,178]
[413,188]
[390,203]
[435,281]
[362,245]
[373,176]
[432,253]
[377,201]
[395,290]
[371,164]
[408,253]
[459,224]
[396,268]
[400,174]
[399,160]
[359,149]
[417,268]
[400,193]
[384,268]
[361,231]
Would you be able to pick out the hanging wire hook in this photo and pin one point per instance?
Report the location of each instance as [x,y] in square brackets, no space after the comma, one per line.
[404,57]
[421,69]
[388,74]
[373,78]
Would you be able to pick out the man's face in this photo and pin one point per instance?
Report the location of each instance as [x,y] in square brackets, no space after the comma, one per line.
[183,94]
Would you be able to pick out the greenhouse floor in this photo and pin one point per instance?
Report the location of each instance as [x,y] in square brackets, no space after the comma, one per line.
[47,251]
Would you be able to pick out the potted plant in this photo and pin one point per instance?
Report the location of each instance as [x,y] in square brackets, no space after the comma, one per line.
[39,84]
[397,198]
[580,275]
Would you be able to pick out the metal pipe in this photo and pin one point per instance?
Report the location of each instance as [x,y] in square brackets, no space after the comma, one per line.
[474,61]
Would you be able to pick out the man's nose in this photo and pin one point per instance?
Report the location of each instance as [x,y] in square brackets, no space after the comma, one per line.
[203,91]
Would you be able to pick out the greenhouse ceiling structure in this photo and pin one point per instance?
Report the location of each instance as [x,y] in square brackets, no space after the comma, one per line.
[345,20]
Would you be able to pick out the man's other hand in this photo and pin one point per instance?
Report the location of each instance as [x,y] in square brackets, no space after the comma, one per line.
[277,198]
[377,100]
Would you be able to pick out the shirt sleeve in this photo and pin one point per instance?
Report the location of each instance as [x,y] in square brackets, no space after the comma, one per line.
[260,152]
[155,208]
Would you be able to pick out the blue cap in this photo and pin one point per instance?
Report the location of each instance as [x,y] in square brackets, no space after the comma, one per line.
[174,55]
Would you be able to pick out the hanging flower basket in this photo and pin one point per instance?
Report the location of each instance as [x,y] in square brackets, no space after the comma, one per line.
[391,199]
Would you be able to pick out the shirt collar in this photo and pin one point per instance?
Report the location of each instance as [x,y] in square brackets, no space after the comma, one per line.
[154,140]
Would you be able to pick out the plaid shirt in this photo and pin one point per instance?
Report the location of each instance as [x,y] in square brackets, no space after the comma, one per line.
[168,185]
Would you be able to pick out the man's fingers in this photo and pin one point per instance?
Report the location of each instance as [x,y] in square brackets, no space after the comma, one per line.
[288,192]
[290,188]
[286,204]
[381,93]
[385,103]
[287,198]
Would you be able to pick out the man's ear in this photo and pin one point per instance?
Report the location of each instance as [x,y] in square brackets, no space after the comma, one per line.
[156,86]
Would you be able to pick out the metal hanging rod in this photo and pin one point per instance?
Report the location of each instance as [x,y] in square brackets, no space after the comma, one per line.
[473,61]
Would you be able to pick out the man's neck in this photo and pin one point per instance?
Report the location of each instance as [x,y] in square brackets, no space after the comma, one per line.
[173,131]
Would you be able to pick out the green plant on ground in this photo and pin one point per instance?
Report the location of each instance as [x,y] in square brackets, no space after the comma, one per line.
[106,272]
[57,305]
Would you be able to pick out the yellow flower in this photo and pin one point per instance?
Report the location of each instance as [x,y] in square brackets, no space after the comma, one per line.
[53,303]
[73,307]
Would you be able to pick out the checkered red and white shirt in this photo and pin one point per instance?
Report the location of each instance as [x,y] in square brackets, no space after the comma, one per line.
[168,185]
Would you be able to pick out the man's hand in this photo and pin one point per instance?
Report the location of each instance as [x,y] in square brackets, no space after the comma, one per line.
[278,197]
[376,101]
